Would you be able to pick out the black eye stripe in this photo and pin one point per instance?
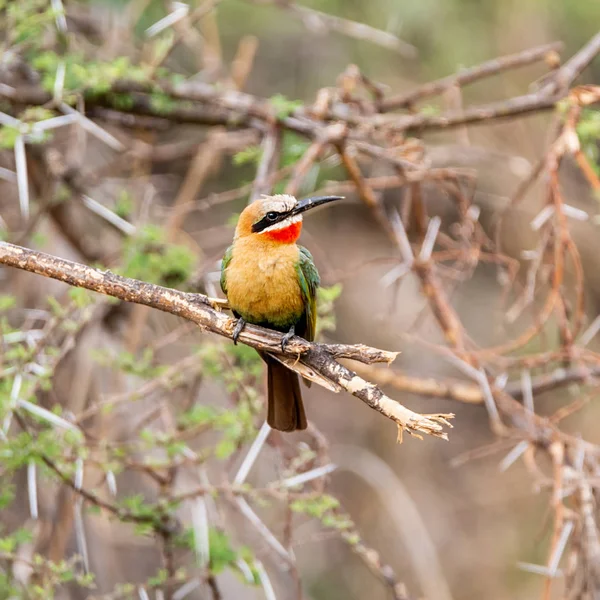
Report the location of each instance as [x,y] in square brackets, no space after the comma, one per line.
[269,219]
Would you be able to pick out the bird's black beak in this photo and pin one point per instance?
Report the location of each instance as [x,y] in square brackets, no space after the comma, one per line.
[308,203]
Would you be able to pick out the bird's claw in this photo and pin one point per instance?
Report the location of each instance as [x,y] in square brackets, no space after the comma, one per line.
[287,337]
[238,329]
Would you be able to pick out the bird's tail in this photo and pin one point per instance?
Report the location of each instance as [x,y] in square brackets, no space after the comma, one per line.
[286,409]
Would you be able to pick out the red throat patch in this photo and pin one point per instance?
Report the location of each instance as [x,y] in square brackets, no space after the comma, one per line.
[287,235]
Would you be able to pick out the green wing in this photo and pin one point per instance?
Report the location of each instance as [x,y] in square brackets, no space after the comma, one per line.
[308,276]
[224,264]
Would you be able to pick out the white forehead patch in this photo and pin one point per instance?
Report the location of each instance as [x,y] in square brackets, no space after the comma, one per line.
[278,203]
[283,224]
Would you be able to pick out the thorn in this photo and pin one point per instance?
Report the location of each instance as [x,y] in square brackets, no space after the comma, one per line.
[252,455]
[80,536]
[179,12]
[265,581]
[308,476]
[32,489]
[201,529]
[109,216]
[22,179]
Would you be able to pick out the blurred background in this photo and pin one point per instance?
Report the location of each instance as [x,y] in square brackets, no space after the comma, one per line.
[441,517]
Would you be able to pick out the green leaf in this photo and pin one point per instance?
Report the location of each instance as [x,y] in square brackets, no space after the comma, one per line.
[293,148]
[588,131]
[7,495]
[222,555]
[175,448]
[225,448]
[232,221]
[86,580]
[325,307]
[38,238]
[81,297]
[57,309]
[316,506]
[199,414]
[250,155]
[8,137]
[34,114]
[82,75]
[247,358]
[161,577]
[430,111]
[7,302]
[149,258]
[7,545]
[124,204]
[162,103]
[283,106]
[22,536]
[29,21]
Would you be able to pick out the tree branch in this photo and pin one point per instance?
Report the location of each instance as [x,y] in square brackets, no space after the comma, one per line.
[470,75]
[202,311]
[205,104]
[470,393]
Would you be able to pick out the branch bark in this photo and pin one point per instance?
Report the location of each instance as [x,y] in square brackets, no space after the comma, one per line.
[470,75]
[205,104]
[470,393]
[204,312]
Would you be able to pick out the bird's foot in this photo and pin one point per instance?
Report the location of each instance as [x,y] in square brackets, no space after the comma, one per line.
[287,337]
[238,329]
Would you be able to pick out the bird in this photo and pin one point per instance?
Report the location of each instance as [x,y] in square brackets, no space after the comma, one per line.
[272,282]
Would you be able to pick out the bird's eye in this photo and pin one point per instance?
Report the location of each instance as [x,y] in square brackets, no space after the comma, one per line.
[271,216]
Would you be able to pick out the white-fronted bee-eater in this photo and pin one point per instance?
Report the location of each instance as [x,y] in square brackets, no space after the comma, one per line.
[272,282]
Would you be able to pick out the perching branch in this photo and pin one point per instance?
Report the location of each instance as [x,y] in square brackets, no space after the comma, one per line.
[202,311]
